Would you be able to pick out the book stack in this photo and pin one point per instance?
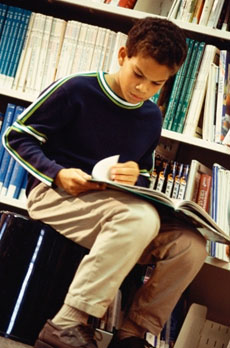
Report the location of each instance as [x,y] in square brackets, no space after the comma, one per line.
[13,177]
[211,13]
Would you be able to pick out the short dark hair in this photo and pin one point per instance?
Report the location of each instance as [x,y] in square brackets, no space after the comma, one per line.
[160,39]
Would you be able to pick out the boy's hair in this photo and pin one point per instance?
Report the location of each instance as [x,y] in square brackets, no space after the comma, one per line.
[159,39]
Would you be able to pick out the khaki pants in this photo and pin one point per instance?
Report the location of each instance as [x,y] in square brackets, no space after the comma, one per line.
[121,230]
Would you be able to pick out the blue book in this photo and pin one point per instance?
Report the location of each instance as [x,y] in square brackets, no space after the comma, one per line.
[6,181]
[16,53]
[16,181]
[22,194]
[7,56]
[7,121]
[3,10]
[6,156]
[5,34]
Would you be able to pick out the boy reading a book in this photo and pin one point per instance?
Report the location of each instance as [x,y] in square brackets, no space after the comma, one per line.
[76,122]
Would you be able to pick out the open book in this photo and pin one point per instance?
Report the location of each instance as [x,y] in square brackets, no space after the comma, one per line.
[182,209]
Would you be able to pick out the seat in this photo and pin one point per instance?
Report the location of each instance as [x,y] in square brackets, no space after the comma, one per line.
[37,265]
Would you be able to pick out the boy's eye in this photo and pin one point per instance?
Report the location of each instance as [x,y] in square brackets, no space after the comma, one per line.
[137,74]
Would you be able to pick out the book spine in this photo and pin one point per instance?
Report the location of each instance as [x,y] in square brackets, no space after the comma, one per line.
[8,55]
[3,11]
[5,35]
[4,186]
[16,53]
[204,191]
[16,180]
[195,106]
[176,89]
[189,88]
[87,53]
[127,3]
[206,12]
[220,109]
[198,11]
[7,121]
[21,68]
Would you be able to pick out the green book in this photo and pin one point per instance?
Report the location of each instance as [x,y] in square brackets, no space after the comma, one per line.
[190,80]
[177,86]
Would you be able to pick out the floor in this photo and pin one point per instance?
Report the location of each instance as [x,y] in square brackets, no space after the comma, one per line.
[7,343]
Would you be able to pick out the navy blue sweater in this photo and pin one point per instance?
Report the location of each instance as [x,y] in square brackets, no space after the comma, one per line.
[78,121]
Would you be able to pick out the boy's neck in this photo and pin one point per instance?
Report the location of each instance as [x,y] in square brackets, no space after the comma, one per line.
[112,81]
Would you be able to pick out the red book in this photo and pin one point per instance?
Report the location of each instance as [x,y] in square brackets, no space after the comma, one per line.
[203,198]
[127,3]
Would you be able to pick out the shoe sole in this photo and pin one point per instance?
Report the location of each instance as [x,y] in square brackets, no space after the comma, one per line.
[40,344]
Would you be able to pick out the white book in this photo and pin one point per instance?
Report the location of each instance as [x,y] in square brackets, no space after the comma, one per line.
[210,55]
[120,41]
[108,50]
[24,60]
[98,53]
[196,169]
[160,8]
[37,80]
[206,12]
[79,48]
[174,9]
[221,117]
[36,43]
[208,127]
[181,9]
[88,48]
[215,13]
[68,48]
[53,51]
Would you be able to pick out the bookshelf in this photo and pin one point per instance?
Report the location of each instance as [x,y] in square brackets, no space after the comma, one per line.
[118,18]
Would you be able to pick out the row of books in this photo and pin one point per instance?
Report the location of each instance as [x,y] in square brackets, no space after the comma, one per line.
[13,177]
[198,183]
[200,94]
[47,48]
[212,13]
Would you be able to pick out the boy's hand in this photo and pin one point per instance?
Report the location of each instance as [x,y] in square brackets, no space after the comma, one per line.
[75,181]
[125,173]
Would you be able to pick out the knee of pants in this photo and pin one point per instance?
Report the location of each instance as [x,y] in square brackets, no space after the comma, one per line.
[194,246]
[146,224]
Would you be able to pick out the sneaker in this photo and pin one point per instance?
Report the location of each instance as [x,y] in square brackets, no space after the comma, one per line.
[129,342]
[53,336]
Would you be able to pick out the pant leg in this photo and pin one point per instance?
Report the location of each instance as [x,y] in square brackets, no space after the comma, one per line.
[116,226]
[179,252]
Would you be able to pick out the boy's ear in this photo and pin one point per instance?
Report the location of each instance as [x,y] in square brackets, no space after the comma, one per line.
[122,54]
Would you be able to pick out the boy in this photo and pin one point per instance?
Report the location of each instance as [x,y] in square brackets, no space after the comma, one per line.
[75,123]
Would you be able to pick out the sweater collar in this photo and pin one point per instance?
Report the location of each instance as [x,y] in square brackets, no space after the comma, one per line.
[113,96]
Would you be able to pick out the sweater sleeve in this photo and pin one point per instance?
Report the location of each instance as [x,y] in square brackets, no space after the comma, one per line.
[25,139]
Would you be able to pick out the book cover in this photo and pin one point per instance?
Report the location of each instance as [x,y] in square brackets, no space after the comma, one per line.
[182,209]
[211,54]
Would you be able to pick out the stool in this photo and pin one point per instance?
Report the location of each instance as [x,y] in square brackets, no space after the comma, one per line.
[37,265]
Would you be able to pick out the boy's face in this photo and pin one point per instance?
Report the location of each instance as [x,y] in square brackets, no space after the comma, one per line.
[140,77]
